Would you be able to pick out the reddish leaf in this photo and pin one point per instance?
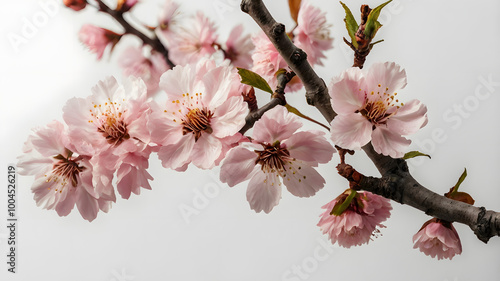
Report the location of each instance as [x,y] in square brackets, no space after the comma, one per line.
[294,8]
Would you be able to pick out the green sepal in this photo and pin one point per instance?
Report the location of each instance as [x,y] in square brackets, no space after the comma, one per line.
[413,154]
[372,24]
[351,25]
[339,208]
[253,79]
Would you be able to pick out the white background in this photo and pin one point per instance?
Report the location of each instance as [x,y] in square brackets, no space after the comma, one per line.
[446,47]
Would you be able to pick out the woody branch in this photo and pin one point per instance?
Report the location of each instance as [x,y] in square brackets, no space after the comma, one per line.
[396,182]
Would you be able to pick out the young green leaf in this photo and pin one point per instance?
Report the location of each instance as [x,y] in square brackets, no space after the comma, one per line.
[351,25]
[253,79]
[413,154]
[339,208]
[295,111]
[460,180]
[372,24]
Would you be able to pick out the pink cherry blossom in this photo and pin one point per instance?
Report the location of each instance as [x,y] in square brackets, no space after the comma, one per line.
[167,20]
[62,178]
[267,61]
[312,33]
[438,238]
[359,222]
[239,48]
[149,69]
[97,39]
[369,109]
[201,117]
[194,40]
[110,125]
[277,153]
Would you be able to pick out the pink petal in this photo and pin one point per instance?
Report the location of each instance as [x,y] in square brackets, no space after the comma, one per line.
[276,124]
[176,155]
[263,192]
[310,146]
[409,118]
[229,117]
[206,151]
[387,75]
[351,131]
[87,205]
[347,91]
[237,166]
[302,180]
[388,143]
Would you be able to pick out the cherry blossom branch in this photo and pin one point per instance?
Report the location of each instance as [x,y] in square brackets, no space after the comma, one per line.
[396,182]
[401,187]
[278,98]
[129,29]
[316,90]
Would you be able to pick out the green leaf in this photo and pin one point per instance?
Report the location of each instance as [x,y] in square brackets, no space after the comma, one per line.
[338,209]
[253,79]
[372,24]
[295,111]
[351,25]
[460,180]
[413,154]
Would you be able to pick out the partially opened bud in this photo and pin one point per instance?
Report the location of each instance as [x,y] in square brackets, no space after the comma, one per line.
[76,5]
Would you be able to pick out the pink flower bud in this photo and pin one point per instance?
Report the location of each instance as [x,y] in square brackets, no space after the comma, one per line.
[97,39]
[76,5]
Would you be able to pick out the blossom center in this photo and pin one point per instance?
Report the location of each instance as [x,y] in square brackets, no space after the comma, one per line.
[114,130]
[65,170]
[197,121]
[273,157]
[377,110]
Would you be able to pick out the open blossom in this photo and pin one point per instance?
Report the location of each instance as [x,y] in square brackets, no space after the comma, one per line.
[359,222]
[167,20]
[97,39]
[267,61]
[312,33]
[277,153]
[202,116]
[438,238]
[239,48]
[148,68]
[62,178]
[193,40]
[369,109]
[110,125]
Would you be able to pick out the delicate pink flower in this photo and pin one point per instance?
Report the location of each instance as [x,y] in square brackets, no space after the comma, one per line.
[167,20]
[277,152]
[359,222]
[62,178]
[149,69]
[110,125]
[76,5]
[312,33]
[368,108]
[203,114]
[267,61]
[193,40]
[239,48]
[98,39]
[438,238]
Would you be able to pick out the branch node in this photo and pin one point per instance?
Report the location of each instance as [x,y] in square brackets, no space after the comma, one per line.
[298,56]
[244,6]
[278,29]
[353,176]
